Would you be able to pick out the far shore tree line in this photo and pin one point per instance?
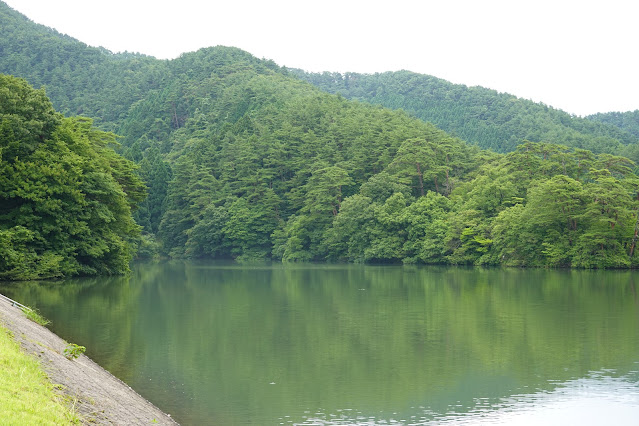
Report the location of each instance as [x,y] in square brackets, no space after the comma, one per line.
[218,154]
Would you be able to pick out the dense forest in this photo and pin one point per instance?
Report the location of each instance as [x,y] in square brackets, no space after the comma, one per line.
[628,121]
[65,195]
[80,80]
[480,116]
[243,159]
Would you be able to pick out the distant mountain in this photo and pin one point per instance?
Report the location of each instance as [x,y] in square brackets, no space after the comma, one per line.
[79,79]
[487,118]
[243,159]
[626,121]
[97,83]
[231,146]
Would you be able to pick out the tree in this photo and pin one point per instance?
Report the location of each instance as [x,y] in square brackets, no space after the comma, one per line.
[350,234]
[427,226]
[65,195]
[324,190]
[413,160]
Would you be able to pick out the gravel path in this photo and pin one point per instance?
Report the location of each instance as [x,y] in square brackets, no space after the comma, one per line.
[100,398]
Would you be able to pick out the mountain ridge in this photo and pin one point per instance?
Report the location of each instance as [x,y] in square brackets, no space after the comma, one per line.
[399,99]
[485,117]
[245,160]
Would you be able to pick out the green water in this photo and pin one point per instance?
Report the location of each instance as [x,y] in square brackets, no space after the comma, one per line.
[226,344]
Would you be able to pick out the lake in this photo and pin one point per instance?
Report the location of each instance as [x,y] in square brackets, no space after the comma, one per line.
[315,344]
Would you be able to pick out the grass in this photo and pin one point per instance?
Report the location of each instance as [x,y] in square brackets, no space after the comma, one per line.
[26,395]
[35,316]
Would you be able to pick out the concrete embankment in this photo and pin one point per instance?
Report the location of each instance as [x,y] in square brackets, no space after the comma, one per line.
[99,397]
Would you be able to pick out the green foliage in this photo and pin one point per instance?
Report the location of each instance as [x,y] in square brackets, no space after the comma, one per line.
[543,205]
[427,226]
[586,220]
[65,195]
[270,178]
[80,80]
[73,351]
[491,120]
[35,316]
[148,247]
[243,160]
[627,121]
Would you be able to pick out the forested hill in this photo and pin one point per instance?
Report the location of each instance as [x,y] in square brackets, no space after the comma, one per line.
[65,196]
[481,116]
[241,160]
[627,121]
[97,83]
[244,160]
[79,79]
[90,81]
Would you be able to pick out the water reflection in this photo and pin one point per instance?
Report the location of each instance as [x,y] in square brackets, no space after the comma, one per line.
[600,398]
[594,400]
[269,344]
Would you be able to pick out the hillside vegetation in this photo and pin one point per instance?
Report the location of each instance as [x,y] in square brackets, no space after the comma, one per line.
[627,121]
[65,195]
[491,120]
[244,160]
[80,80]
[27,396]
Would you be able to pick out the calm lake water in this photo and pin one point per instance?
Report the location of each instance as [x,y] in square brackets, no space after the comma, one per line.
[227,344]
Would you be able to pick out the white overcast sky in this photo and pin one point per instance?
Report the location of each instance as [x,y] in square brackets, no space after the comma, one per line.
[577,55]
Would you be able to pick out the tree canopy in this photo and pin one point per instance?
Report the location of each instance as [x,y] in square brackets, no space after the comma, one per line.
[244,159]
[487,118]
[65,195]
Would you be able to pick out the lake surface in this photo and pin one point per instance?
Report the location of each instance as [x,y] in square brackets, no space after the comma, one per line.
[227,344]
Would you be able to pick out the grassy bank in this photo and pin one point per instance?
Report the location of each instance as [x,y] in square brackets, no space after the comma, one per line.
[26,396]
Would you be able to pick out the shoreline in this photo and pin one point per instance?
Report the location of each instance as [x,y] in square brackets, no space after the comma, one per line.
[98,396]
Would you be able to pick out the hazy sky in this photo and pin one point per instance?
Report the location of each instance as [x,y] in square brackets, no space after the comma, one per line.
[579,56]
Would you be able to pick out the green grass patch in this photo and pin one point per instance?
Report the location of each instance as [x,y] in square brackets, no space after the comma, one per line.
[26,395]
[35,316]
